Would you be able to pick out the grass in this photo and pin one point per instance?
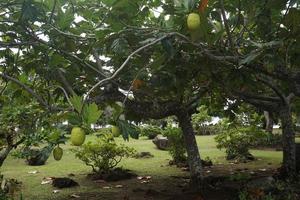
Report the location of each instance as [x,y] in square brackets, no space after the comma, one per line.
[157,167]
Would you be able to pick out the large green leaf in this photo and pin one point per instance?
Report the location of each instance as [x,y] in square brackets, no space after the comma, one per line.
[77,102]
[250,57]
[128,130]
[91,113]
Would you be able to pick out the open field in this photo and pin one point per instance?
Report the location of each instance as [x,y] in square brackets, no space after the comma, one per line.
[157,167]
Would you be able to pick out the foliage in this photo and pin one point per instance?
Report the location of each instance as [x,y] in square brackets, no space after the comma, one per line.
[20,121]
[201,120]
[150,131]
[104,154]
[176,145]
[128,129]
[281,190]
[102,131]
[266,139]
[239,177]
[85,114]
[237,141]
[58,49]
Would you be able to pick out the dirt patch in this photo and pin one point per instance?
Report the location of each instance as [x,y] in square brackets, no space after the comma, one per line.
[116,174]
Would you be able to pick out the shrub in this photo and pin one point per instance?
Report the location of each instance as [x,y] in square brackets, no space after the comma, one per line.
[103,155]
[176,145]
[237,142]
[200,121]
[266,139]
[103,131]
[150,131]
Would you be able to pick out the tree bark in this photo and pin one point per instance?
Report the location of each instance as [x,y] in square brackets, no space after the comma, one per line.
[288,142]
[4,153]
[269,122]
[194,159]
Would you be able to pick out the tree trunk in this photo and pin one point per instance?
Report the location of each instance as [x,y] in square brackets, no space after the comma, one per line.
[269,122]
[4,153]
[194,159]
[288,142]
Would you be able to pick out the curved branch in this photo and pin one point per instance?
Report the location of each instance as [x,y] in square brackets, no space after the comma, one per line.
[25,87]
[32,92]
[125,63]
[274,88]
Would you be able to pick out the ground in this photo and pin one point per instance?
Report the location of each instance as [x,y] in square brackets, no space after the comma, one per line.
[166,181]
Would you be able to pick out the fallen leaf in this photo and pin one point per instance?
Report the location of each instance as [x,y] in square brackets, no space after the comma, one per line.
[56,191]
[185,169]
[75,196]
[145,182]
[100,181]
[44,182]
[33,172]
[118,186]
[106,187]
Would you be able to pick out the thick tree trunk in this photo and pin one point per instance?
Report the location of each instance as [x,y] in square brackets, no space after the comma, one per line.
[288,139]
[269,122]
[194,159]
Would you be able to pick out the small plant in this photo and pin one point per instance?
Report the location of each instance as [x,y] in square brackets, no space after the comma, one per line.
[104,154]
[176,145]
[201,121]
[150,131]
[237,142]
[266,139]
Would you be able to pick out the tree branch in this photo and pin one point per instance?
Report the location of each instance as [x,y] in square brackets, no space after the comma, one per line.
[65,82]
[125,63]
[226,25]
[274,88]
[25,87]
[16,44]
[30,91]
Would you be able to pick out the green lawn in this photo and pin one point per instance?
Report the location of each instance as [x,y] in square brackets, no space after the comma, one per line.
[157,167]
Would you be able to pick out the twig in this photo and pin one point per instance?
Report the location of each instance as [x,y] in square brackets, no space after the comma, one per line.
[66,94]
[72,35]
[52,11]
[98,60]
[226,25]
[81,61]
[16,44]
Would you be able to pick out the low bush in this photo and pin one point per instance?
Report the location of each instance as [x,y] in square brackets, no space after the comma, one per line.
[209,129]
[176,145]
[200,121]
[266,139]
[150,131]
[104,154]
[237,142]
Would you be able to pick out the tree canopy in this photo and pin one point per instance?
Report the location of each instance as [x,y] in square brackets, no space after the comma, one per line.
[141,53]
